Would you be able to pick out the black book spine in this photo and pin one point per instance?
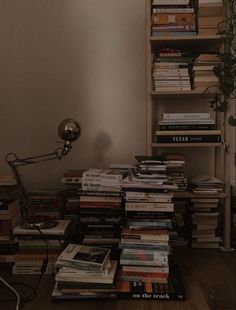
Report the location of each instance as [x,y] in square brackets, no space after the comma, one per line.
[188,139]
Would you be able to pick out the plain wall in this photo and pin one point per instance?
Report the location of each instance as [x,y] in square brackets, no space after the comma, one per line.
[82,59]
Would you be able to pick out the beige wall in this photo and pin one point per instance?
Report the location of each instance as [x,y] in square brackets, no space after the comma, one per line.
[83,59]
[72,58]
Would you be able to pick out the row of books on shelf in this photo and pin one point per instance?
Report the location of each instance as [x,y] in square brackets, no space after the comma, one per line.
[179,70]
[181,18]
[187,128]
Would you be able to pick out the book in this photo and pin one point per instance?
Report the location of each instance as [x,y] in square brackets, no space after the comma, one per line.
[145,234]
[173,290]
[187,132]
[60,229]
[188,139]
[104,174]
[149,206]
[187,127]
[178,116]
[176,18]
[83,256]
[66,274]
[170,2]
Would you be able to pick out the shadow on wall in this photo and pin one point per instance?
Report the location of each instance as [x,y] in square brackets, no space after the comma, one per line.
[101,145]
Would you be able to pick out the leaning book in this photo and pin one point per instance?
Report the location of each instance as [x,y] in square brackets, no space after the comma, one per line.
[83,256]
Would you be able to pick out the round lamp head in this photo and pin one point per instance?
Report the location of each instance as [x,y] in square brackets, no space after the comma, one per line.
[69,130]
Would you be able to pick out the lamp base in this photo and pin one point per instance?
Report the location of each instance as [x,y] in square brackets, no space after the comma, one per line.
[38,222]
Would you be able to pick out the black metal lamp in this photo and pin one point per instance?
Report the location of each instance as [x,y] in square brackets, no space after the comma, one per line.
[69,131]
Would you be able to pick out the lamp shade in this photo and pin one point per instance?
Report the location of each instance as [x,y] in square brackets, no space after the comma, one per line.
[69,130]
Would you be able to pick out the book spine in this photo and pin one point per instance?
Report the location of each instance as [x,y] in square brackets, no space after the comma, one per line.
[174,116]
[189,139]
[164,207]
[188,127]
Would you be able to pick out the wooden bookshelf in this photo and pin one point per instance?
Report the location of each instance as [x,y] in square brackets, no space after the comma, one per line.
[155,105]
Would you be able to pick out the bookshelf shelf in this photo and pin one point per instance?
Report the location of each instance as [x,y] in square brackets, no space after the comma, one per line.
[213,159]
[195,195]
[193,92]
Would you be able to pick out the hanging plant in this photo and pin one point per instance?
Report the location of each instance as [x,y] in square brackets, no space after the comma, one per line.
[226,69]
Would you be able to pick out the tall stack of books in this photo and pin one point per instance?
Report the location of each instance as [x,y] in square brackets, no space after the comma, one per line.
[181,233]
[210,14]
[170,70]
[203,71]
[175,163]
[72,180]
[9,218]
[101,212]
[85,272]
[47,202]
[173,18]
[144,242]
[39,248]
[187,128]
[205,213]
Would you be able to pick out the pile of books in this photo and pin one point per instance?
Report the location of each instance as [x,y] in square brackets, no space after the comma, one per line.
[72,180]
[144,242]
[187,128]
[203,72]
[47,202]
[204,184]
[181,233]
[210,15]
[170,70]
[173,18]
[39,248]
[9,218]
[175,163]
[84,272]
[205,214]
[101,212]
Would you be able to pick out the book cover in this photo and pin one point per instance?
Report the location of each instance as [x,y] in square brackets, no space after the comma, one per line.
[84,256]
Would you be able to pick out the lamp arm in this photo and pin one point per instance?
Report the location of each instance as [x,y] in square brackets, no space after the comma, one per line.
[14,162]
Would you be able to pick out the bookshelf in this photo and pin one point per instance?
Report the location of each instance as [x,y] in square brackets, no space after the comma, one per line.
[188,101]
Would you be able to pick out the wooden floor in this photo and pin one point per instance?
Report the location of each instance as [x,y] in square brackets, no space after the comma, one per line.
[209,277]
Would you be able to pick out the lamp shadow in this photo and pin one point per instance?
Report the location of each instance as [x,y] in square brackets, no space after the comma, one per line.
[101,145]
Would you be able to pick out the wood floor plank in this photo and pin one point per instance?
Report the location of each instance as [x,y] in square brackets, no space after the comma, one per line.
[209,277]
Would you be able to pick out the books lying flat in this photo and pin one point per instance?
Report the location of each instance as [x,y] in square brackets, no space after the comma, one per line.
[85,276]
[60,229]
[173,290]
[83,256]
[142,234]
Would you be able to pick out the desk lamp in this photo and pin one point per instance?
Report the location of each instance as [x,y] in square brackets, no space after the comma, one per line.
[69,131]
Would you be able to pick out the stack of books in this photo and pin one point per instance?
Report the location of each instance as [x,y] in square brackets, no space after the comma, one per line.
[175,163]
[72,180]
[85,272]
[39,248]
[187,128]
[173,18]
[145,240]
[9,218]
[181,233]
[205,213]
[101,212]
[210,15]
[47,202]
[203,72]
[204,184]
[170,70]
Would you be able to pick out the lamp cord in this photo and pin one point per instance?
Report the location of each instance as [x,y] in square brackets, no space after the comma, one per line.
[18,300]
